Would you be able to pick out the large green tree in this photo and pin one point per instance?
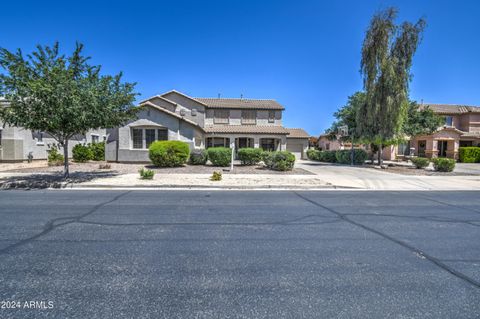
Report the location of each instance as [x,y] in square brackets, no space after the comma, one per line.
[387,56]
[346,115]
[421,120]
[62,95]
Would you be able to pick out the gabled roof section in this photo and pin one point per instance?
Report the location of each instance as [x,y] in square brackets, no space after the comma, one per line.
[144,122]
[254,104]
[184,95]
[451,108]
[297,133]
[159,97]
[178,116]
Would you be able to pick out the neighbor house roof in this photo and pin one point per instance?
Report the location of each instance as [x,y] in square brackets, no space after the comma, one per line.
[297,133]
[247,129]
[452,108]
[255,104]
[178,116]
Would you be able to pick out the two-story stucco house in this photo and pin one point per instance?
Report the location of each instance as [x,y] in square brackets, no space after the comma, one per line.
[17,144]
[203,123]
[461,128]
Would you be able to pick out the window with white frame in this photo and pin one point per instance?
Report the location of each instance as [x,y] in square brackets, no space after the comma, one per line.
[142,138]
[221,116]
[271,116]
[95,138]
[249,117]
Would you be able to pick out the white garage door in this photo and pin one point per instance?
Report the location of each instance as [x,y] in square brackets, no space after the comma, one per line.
[296,149]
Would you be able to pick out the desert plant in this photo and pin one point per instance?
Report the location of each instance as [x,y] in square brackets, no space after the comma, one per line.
[280,161]
[98,151]
[469,154]
[220,156]
[54,157]
[169,153]
[344,156]
[146,173]
[104,166]
[443,164]
[250,156]
[82,153]
[198,157]
[420,162]
[216,176]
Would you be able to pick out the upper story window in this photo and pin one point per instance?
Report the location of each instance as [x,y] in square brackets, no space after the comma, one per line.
[249,117]
[221,116]
[448,120]
[271,116]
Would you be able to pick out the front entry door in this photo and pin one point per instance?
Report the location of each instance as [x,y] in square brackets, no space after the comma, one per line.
[442,148]
[242,142]
[422,145]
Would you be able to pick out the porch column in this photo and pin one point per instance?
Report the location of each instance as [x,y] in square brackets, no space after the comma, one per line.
[283,143]
[256,142]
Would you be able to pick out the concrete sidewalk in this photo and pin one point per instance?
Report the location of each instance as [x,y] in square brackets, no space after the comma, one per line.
[372,179]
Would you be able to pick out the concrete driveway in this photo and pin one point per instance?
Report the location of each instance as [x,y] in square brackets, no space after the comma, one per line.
[368,178]
[226,254]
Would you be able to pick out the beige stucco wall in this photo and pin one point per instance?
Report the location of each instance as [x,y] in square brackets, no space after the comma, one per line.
[187,105]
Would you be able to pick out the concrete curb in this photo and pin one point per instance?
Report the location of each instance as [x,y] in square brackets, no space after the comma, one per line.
[225,187]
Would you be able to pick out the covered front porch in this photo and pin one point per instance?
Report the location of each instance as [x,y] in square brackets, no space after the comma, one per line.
[444,143]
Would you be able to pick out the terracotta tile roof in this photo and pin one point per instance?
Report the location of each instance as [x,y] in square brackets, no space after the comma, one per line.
[452,108]
[471,134]
[297,133]
[247,129]
[240,103]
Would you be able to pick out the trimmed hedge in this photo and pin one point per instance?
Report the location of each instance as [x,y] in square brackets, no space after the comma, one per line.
[313,154]
[198,157]
[82,153]
[98,151]
[420,162]
[344,156]
[250,156]
[469,154]
[168,153]
[279,161]
[54,157]
[328,156]
[220,156]
[443,164]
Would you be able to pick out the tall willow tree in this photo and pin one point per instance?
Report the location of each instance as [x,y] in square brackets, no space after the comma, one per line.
[387,55]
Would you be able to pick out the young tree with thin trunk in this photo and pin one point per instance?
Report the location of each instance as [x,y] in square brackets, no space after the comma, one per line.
[62,96]
[387,55]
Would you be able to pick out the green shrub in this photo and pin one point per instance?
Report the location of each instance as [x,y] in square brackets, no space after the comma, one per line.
[443,164]
[82,153]
[54,157]
[328,156]
[469,154]
[198,157]
[344,156]
[98,151]
[168,153]
[313,154]
[220,156]
[250,156]
[280,161]
[420,162]
[146,173]
[216,176]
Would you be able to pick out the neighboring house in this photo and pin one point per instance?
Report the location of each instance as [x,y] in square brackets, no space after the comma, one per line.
[17,143]
[461,128]
[326,143]
[203,123]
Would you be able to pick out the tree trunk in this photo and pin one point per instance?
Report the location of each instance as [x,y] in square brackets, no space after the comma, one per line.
[380,153]
[66,172]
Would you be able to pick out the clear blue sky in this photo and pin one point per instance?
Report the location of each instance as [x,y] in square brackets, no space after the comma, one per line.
[304,54]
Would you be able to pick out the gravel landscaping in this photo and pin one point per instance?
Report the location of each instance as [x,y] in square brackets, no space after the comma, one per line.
[123,168]
[411,170]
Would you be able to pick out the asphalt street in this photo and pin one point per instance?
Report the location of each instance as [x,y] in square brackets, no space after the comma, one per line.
[239,254]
